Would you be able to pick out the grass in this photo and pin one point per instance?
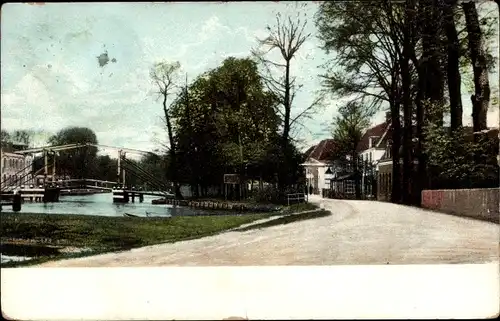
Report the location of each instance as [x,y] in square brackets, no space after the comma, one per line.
[105,234]
[42,235]
[286,220]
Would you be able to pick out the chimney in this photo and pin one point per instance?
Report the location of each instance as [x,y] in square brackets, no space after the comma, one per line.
[387,116]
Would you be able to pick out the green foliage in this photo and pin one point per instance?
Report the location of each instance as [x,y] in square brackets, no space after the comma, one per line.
[349,126]
[78,163]
[365,60]
[226,122]
[459,161]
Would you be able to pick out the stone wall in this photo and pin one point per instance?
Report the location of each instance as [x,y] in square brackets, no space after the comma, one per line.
[482,204]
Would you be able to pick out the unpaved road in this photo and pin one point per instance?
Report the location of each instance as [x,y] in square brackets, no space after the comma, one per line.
[357,232]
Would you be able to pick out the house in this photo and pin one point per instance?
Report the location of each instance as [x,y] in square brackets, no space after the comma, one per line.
[319,165]
[370,150]
[15,169]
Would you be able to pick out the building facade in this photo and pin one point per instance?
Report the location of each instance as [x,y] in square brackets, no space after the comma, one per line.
[319,166]
[16,170]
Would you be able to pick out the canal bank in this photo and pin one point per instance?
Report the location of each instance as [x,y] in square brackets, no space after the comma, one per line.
[45,237]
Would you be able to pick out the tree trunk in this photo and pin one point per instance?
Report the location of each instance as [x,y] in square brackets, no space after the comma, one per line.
[357,181]
[173,158]
[407,130]
[282,180]
[453,71]
[434,80]
[481,97]
[396,144]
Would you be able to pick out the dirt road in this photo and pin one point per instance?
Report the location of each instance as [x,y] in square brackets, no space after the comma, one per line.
[357,232]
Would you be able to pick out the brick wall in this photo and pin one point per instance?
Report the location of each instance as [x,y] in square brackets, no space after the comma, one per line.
[477,203]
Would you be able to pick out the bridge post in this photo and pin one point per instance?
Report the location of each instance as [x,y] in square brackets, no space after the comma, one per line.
[45,168]
[118,173]
[54,168]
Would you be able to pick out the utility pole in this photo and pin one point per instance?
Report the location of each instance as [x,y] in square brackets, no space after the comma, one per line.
[118,170]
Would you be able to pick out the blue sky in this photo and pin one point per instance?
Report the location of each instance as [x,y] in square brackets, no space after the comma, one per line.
[51,77]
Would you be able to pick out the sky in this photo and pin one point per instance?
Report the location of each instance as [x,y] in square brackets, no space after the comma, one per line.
[51,76]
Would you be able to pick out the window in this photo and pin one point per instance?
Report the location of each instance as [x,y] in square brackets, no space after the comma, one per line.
[4,162]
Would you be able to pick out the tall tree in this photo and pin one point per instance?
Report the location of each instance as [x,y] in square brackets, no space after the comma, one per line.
[481,98]
[165,77]
[348,129]
[365,66]
[286,37]
[453,63]
[224,122]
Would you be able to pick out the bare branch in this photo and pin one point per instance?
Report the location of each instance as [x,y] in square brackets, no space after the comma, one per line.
[307,111]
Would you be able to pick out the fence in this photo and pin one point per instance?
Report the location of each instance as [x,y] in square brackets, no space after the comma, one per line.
[476,203]
[296,197]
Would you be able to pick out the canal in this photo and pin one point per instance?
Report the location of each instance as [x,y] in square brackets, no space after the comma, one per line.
[97,204]
[102,204]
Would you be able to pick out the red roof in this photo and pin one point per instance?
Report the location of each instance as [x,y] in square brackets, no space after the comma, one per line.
[377,131]
[324,151]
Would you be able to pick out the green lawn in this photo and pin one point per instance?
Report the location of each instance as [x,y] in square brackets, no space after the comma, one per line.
[41,235]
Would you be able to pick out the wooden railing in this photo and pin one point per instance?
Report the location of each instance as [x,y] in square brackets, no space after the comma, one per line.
[296,197]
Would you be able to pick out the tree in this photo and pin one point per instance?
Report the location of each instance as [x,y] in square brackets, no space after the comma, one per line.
[481,98]
[165,75]
[457,160]
[366,66]
[286,37]
[348,129]
[224,122]
[453,63]
[80,162]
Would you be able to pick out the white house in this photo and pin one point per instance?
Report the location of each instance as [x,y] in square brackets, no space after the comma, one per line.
[15,169]
[319,165]
[371,149]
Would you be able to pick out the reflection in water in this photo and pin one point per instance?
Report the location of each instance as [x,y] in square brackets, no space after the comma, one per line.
[102,204]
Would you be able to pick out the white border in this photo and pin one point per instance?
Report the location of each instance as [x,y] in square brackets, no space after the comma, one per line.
[216,293]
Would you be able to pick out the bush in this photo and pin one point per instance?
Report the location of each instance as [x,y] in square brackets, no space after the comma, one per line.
[270,194]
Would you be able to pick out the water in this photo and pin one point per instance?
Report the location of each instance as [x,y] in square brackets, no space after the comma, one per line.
[102,204]
[12,258]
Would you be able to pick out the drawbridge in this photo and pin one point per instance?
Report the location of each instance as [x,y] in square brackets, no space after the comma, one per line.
[47,182]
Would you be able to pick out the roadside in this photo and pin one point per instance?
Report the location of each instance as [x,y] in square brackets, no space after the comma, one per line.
[51,237]
[357,232]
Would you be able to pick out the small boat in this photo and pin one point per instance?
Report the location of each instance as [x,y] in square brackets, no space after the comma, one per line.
[130,215]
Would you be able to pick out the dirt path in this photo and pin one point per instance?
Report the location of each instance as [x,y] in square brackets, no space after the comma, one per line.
[358,232]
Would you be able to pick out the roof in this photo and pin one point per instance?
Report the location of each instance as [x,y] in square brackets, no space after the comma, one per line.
[377,131]
[324,151]
[308,151]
